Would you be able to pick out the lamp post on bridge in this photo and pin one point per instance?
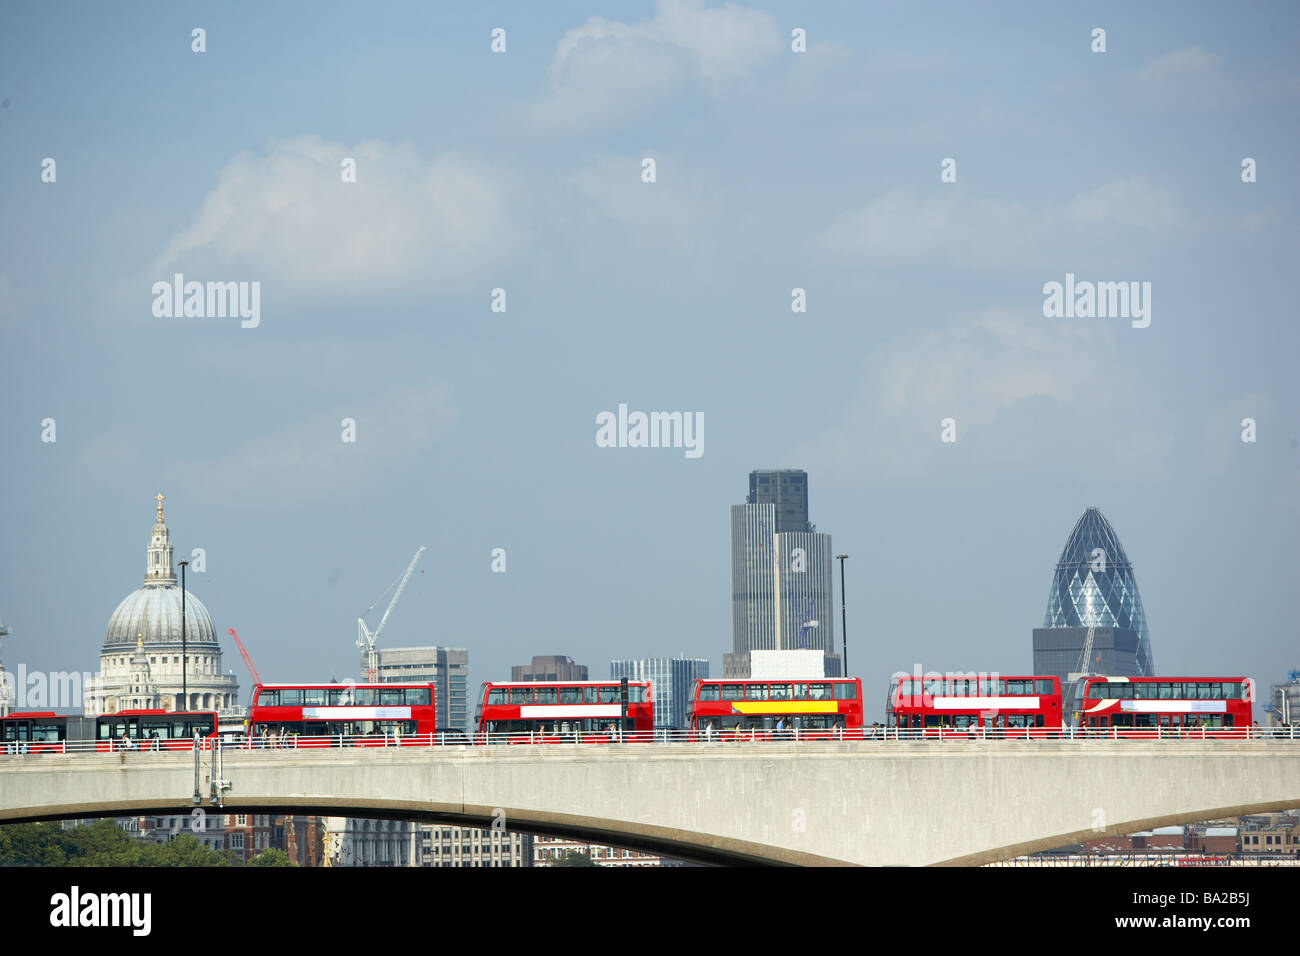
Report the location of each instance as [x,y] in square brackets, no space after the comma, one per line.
[844,615]
[185,657]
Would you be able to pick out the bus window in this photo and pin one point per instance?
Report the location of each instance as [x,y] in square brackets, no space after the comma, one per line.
[1044,687]
[417,696]
[779,692]
[709,692]
[846,690]
[546,695]
[45,731]
[268,698]
[819,692]
[610,695]
[313,697]
[497,695]
[570,695]
[756,692]
[732,691]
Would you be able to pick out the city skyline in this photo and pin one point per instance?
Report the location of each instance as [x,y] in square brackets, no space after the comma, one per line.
[805,267]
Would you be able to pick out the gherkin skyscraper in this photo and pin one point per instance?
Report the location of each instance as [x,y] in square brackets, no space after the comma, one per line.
[1094,609]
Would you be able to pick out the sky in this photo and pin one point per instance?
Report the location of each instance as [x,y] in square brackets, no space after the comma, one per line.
[921,171]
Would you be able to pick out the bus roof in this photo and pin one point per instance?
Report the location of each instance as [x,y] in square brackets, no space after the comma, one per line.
[1150,680]
[563,683]
[770,680]
[328,686]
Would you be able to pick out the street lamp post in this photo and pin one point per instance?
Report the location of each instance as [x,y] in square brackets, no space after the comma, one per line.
[844,615]
[185,657]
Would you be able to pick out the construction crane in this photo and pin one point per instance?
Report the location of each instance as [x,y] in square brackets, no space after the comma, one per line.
[1081,671]
[365,639]
[248,661]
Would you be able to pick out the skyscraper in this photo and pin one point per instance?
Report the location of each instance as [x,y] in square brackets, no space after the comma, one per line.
[1094,621]
[781,574]
[672,680]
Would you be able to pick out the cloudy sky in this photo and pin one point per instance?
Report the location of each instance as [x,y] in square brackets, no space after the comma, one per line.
[522,171]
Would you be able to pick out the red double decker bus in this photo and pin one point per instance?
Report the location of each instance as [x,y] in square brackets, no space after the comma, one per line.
[564,712]
[1151,706]
[751,709]
[155,729]
[989,705]
[45,731]
[322,715]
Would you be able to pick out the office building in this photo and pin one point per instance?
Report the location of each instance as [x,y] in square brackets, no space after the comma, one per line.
[550,668]
[447,668]
[465,846]
[1095,623]
[672,681]
[781,574]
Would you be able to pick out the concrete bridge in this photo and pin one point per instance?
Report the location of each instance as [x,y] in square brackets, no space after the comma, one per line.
[875,803]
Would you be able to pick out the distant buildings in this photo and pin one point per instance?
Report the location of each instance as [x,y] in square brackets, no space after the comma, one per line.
[781,574]
[672,680]
[552,668]
[351,841]
[1284,702]
[1093,609]
[465,846]
[549,851]
[447,668]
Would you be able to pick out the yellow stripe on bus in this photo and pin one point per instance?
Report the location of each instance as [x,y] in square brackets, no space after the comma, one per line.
[783,707]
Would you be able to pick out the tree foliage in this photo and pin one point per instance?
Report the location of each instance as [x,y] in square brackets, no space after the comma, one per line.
[574,858]
[103,843]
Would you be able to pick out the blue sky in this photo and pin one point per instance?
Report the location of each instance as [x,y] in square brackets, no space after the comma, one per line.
[522,170]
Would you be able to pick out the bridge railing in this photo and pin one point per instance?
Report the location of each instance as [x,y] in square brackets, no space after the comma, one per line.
[861,735]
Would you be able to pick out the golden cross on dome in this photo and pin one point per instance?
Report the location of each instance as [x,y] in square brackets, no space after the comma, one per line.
[159,498]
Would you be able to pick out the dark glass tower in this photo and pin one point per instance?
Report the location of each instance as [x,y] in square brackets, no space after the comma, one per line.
[788,491]
[1093,595]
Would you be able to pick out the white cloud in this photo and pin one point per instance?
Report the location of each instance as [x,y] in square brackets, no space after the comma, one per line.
[1127,202]
[680,213]
[309,460]
[287,216]
[981,370]
[947,226]
[1192,78]
[605,69]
